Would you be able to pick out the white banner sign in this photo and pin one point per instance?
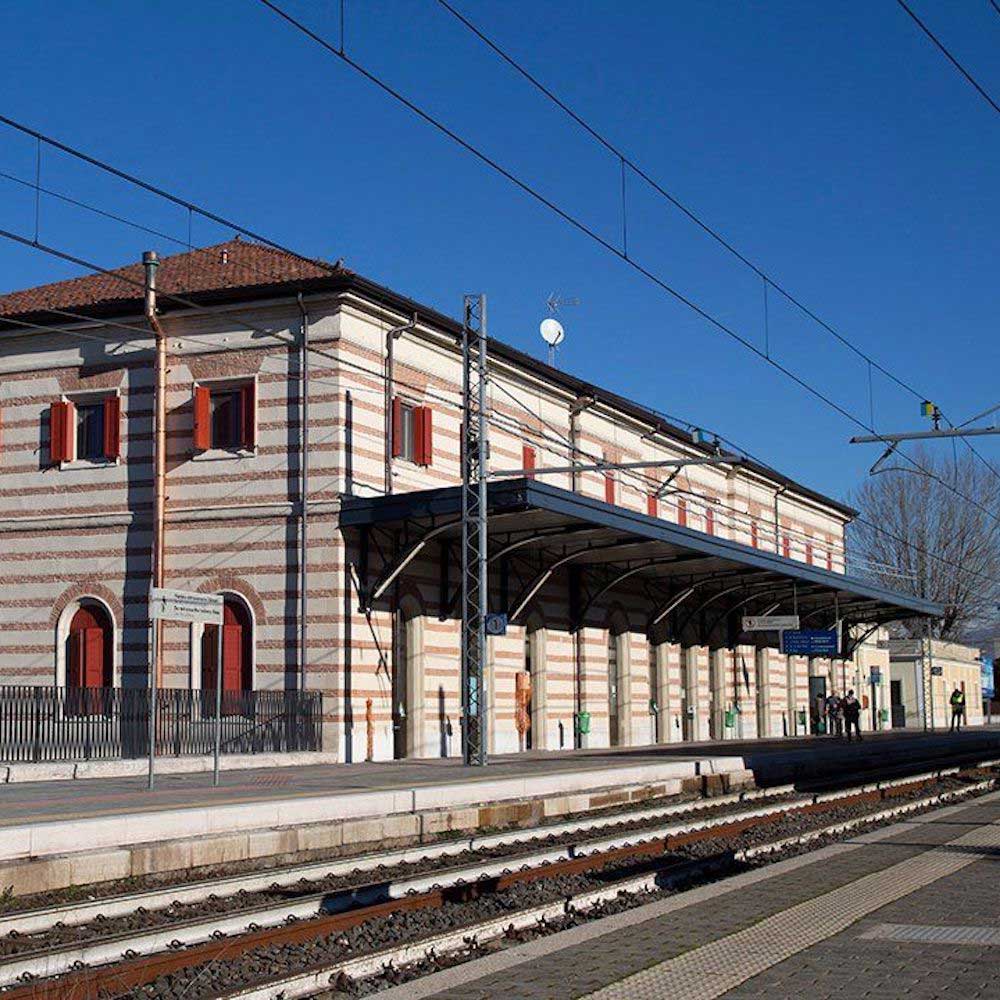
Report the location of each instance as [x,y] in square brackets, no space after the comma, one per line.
[770,623]
[186,606]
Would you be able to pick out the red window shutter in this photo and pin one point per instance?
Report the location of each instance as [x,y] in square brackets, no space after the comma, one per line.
[809,553]
[609,488]
[202,436]
[112,427]
[786,547]
[397,427]
[682,512]
[423,436]
[426,423]
[528,460]
[754,541]
[248,415]
[61,417]
[829,559]
[652,508]
[709,521]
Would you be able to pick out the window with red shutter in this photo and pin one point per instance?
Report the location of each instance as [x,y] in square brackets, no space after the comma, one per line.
[809,553]
[225,416]
[786,547]
[754,541]
[609,487]
[709,521]
[682,511]
[652,507]
[112,427]
[62,424]
[528,460]
[829,559]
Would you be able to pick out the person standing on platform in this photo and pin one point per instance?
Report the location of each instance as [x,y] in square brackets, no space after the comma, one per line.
[834,716]
[957,709]
[851,708]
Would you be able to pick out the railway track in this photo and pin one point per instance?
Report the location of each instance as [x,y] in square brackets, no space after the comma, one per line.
[349,926]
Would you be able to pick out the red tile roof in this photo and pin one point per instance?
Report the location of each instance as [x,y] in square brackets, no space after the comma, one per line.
[236,264]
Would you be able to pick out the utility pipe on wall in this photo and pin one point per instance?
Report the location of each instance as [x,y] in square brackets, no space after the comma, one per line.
[390,339]
[303,495]
[150,263]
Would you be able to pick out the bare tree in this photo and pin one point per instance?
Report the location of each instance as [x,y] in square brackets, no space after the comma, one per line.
[917,535]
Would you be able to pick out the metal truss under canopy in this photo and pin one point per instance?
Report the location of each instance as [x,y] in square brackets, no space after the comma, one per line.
[694,587]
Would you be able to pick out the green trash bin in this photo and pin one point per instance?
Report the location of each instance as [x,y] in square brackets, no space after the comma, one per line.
[802,717]
[884,714]
[730,718]
[583,722]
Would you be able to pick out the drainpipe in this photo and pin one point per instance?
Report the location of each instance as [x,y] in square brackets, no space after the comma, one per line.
[304,495]
[150,263]
[390,339]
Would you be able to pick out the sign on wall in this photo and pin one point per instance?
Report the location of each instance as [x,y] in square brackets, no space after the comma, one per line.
[810,642]
[769,623]
[185,606]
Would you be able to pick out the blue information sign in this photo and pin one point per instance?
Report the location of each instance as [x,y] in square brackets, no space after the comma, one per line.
[986,676]
[810,642]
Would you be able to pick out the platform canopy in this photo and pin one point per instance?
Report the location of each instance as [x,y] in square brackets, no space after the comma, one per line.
[693,588]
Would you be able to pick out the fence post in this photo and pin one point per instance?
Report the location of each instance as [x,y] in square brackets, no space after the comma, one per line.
[36,749]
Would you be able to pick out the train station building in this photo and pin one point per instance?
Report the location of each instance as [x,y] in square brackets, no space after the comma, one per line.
[309,425]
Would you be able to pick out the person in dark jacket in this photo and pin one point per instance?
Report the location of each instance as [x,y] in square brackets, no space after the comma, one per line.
[851,708]
[957,701]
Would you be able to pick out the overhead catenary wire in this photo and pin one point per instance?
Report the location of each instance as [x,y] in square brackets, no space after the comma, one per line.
[711,231]
[947,54]
[741,518]
[206,213]
[582,227]
[192,207]
[191,304]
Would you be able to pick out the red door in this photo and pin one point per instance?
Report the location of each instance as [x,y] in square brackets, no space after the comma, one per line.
[232,657]
[236,665]
[89,661]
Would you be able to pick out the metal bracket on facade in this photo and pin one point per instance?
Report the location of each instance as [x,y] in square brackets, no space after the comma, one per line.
[397,565]
[630,572]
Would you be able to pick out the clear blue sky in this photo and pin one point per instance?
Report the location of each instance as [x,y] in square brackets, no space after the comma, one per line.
[830,142]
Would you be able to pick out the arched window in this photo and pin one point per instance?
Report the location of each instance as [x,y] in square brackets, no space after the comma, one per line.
[237,649]
[90,648]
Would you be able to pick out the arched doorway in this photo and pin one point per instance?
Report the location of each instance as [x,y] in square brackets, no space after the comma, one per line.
[90,648]
[237,650]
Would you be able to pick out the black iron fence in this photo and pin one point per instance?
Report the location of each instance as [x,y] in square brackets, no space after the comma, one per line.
[50,723]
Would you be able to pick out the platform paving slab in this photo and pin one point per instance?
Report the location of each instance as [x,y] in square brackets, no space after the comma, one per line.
[709,940]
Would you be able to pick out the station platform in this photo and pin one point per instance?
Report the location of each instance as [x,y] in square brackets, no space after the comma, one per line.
[59,833]
[907,911]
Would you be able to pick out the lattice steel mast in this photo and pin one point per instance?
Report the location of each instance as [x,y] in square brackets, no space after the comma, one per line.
[474,566]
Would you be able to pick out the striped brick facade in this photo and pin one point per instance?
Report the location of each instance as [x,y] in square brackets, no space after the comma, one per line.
[81,531]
